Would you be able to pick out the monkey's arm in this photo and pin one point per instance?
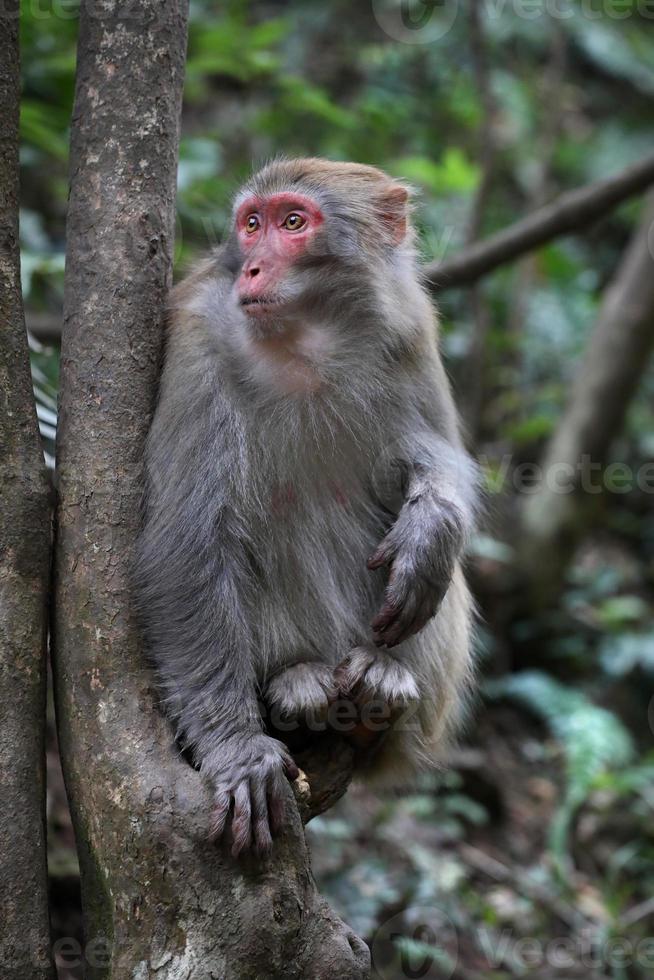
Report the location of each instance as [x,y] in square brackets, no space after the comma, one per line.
[423,545]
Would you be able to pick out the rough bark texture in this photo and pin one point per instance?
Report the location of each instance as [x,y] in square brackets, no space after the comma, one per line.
[608,378]
[162,899]
[24,573]
[325,774]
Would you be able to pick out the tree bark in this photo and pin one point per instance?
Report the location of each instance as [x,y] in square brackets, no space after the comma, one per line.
[607,380]
[25,952]
[159,898]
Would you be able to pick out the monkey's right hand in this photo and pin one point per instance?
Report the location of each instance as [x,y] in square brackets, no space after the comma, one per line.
[250,786]
[420,549]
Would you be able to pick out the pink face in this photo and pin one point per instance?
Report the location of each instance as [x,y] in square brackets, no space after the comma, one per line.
[273,233]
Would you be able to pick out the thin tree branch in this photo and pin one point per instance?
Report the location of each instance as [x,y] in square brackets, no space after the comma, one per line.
[607,379]
[25,949]
[568,213]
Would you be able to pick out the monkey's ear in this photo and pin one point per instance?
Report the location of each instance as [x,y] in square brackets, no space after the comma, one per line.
[393,210]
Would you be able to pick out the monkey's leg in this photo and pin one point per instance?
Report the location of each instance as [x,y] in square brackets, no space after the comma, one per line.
[301,690]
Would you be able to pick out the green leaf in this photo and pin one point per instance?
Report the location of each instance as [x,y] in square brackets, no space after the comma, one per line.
[530,430]
[622,610]
[454,174]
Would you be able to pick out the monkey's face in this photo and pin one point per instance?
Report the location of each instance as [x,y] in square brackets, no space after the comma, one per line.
[277,235]
[315,241]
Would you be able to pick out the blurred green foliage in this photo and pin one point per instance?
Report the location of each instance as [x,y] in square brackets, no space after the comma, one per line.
[572,102]
[312,78]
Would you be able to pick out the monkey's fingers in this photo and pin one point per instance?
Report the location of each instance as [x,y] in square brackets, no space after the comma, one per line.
[241,819]
[394,602]
[276,809]
[386,617]
[404,629]
[276,796]
[219,814]
[260,817]
[414,616]
[396,615]
[384,555]
[391,634]
[290,768]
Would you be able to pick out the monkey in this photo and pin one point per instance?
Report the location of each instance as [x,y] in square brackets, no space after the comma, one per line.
[308,497]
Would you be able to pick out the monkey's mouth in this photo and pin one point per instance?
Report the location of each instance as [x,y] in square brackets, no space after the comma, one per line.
[259,304]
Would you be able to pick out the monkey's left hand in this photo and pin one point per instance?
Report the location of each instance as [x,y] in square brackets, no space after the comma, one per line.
[421,550]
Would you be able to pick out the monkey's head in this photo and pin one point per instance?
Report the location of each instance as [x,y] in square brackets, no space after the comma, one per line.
[308,234]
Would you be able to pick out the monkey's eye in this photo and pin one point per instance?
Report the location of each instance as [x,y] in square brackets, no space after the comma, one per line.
[252,223]
[294,221]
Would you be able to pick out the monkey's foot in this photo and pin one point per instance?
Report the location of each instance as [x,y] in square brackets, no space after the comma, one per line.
[373,675]
[302,690]
[384,692]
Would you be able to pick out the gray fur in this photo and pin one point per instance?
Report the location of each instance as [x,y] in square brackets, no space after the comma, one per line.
[263,508]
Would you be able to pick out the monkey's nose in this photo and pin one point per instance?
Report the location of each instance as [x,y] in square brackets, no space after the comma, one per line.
[253,271]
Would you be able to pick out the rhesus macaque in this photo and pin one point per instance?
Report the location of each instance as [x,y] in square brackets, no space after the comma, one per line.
[307,494]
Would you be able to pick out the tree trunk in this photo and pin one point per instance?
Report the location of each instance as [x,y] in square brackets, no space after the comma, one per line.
[159,898]
[24,574]
[607,380]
